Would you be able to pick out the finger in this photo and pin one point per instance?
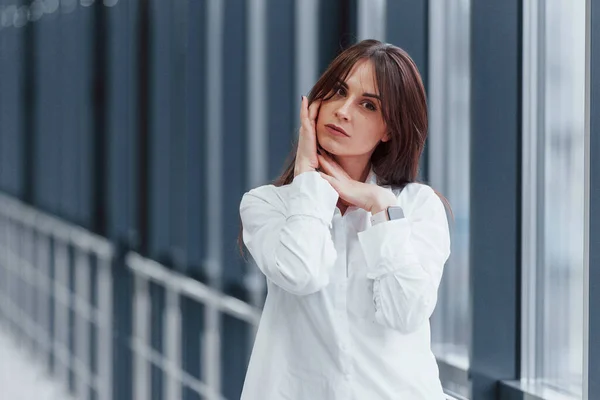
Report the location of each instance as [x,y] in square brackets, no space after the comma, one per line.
[333,168]
[313,110]
[327,178]
[326,155]
[305,120]
[303,109]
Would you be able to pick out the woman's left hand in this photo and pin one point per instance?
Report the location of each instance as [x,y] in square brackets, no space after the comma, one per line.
[369,197]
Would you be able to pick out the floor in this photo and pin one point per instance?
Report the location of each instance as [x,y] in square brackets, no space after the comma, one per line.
[21,378]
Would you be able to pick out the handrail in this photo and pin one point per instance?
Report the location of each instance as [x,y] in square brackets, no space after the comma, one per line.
[194,289]
[38,270]
[53,226]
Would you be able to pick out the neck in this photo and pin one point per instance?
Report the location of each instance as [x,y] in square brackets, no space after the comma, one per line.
[357,169]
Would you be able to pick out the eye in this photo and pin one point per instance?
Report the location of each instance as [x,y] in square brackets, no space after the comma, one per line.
[370,106]
[340,90]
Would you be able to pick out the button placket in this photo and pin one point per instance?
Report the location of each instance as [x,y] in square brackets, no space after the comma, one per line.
[345,345]
[337,236]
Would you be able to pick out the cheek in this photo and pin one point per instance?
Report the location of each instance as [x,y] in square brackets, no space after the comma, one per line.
[324,112]
[374,132]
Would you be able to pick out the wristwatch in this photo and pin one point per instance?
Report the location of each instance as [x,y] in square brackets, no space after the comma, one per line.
[389,214]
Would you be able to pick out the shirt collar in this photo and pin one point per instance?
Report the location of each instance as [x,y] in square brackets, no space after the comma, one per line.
[372,177]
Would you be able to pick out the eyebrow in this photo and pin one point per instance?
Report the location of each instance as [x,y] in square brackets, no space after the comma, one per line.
[345,85]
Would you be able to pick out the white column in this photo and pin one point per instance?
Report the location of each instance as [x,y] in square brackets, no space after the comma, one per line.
[371,19]
[586,207]
[258,134]
[211,348]
[214,131]
[529,187]
[307,50]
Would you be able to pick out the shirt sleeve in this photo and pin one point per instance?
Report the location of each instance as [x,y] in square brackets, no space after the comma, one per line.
[292,245]
[405,259]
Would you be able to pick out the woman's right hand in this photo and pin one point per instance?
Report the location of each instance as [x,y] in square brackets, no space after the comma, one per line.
[306,156]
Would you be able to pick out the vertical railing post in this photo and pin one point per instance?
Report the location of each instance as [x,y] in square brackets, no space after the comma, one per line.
[141,315]
[32,292]
[44,293]
[211,351]
[10,279]
[105,337]
[21,290]
[82,327]
[172,334]
[4,267]
[61,310]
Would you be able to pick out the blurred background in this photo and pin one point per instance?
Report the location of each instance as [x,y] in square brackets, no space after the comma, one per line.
[129,130]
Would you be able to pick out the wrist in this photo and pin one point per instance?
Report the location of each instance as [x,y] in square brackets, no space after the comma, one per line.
[301,168]
[381,200]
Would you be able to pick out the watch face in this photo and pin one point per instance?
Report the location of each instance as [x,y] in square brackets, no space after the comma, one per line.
[395,212]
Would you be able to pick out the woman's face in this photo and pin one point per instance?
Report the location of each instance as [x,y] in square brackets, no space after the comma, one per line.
[351,122]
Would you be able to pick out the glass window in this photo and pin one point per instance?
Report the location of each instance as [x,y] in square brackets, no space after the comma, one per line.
[553,193]
[449,77]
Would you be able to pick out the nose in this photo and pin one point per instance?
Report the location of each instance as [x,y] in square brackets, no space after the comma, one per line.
[343,111]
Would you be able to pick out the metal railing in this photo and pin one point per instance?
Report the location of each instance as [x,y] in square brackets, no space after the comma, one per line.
[50,302]
[176,287]
[56,299]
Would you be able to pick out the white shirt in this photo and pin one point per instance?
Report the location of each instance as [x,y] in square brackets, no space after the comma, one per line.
[347,311]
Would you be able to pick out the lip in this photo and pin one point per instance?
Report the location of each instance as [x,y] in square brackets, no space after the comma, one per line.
[336,130]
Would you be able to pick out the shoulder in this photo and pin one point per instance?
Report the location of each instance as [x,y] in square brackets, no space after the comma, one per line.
[266,195]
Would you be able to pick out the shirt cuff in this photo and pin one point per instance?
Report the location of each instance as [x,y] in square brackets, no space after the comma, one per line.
[386,247]
[312,196]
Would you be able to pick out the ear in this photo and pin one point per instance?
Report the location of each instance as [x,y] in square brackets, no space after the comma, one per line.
[386,137]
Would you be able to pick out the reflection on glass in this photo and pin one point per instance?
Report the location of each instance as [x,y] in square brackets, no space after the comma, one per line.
[560,289]
[51,6]
[36,10]
[449,170]
[8,15]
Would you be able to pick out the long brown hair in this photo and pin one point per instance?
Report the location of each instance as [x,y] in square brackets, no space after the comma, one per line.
[404,108]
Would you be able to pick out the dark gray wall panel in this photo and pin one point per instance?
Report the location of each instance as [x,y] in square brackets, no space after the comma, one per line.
[280,66]
[11,109]
[159,150]
[47,111]
[121,194]
[196,136]
[122,127]
[407,27]
[495,193]
[234,134]
[76,75]
[234,122]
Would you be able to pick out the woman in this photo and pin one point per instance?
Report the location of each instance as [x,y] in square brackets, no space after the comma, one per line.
[352,247]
